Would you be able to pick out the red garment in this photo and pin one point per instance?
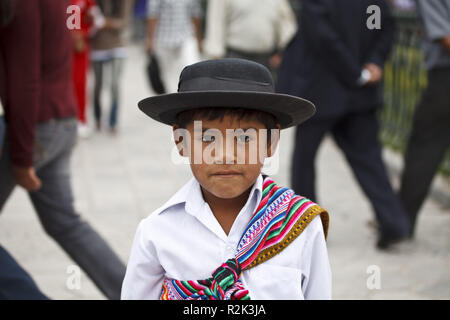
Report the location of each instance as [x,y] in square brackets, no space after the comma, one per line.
[81,59]
[79,78]
[86,20]
[36,51]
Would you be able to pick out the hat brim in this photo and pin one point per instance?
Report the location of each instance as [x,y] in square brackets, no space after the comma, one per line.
[288,110]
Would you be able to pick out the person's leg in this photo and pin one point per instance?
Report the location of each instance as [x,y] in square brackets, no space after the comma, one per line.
[428,142]
[2,132]
[97,66]
[167,59]
[189,54]
[116,71]
[307,141]
[7,181]
[55,208]
[357,136]
[15,282]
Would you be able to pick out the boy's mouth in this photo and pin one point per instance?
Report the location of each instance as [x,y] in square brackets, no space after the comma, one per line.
[226,173]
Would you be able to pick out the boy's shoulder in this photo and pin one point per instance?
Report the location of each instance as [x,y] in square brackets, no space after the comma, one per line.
[173,204]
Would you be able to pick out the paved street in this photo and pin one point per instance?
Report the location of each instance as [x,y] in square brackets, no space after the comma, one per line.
[120,180]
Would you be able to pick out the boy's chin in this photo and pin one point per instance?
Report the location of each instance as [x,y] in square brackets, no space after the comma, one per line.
[226,193]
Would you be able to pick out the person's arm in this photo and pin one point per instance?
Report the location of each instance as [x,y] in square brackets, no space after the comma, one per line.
[286,27]
[21,45]
[326,42]
[445,42]
[144,276]
[381,48]
[196,14]
[384,40]
[97,17]
[215,33]
[317,283]
[150,39]
[153,12]
[287,24]
[436,19]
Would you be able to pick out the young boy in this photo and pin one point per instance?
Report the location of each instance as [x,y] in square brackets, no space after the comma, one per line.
[229,225]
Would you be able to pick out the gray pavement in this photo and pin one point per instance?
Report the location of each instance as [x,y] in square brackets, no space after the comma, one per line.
[119,180]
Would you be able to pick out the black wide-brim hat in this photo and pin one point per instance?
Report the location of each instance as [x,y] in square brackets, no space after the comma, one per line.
[229,83]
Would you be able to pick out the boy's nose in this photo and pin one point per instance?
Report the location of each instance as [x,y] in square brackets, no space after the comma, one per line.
[227,154]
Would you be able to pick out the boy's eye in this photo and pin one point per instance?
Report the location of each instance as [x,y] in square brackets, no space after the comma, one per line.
[208,138]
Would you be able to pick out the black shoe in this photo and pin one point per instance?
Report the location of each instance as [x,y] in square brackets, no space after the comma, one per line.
[386,241]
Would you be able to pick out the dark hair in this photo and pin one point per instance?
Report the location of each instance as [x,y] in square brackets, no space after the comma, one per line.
[186,117]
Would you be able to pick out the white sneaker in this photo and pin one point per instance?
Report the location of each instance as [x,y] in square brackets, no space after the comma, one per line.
[83,130]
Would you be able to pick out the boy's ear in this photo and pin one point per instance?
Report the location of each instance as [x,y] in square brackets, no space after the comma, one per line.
[274,139]
[180,136]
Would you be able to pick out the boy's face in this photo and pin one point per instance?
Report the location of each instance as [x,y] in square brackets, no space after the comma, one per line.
[226,156]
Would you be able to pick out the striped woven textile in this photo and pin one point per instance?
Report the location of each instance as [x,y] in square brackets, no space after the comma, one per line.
[280,217]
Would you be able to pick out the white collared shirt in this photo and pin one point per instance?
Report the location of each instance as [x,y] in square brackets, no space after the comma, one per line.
[183,240]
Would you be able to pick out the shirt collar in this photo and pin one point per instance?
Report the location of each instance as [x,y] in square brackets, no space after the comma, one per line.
[196,206]
[191,196]
[194,201]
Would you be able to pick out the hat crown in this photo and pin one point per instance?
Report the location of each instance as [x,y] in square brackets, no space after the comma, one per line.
[229,74]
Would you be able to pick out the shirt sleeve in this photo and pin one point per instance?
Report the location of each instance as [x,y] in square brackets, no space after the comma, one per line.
[317,282]
[323,37]
[21,48]
[144,276]
[287,24]
[215,33]
[436,18]
[196,9]
[154,8]
[384,40]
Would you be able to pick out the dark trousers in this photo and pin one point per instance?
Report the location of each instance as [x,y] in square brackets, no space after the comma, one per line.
[357,135]
[428,142]
[15,282]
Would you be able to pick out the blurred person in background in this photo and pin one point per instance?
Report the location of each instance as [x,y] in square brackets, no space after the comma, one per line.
[174,36]
[2,125]
[36,89]
[430,134]
[91,19]
[256,30]
[336,61]
[140,20]
[109,52]
[15,282]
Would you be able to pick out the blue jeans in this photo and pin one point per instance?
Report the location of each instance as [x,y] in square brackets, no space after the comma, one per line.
[116,69]
[54,205]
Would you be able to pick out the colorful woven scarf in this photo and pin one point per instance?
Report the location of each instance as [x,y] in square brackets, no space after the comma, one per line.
[280,217]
